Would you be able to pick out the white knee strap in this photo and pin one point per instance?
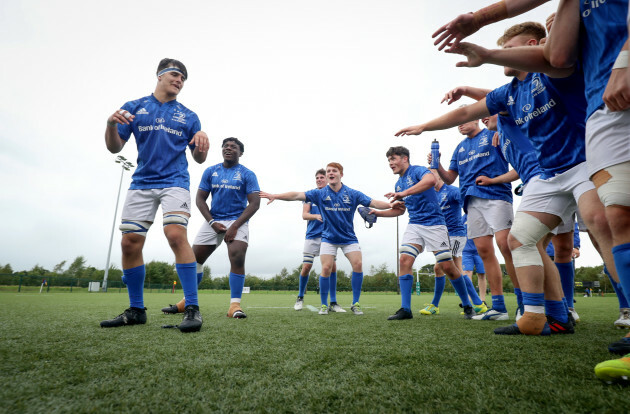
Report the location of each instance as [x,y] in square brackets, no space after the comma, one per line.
[443,256]
[137,227]
[308,258]
[528,230]
[174,218]
[409,250]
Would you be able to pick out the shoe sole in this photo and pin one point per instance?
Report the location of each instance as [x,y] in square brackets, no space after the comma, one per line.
[190,329]
[492,318]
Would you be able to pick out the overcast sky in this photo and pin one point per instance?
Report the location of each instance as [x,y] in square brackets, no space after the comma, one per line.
[301,83]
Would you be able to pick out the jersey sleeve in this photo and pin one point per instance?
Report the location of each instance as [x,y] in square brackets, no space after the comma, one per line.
[251,185]
[206,180]
[362,199]
[497,100]
[312,196]
[454,166]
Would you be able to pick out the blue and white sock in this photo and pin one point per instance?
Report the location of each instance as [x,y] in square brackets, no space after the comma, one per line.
[236,286]
[333,287]
[440,281]
[621,254]
[519,297]
[187,273]
[472,292]
[357,283]
[533,302]
[324,288]
[498,303]
[567,279]
[460,287]
[134,279]
[556,309]
[621,297]
[406,287]
[303,283]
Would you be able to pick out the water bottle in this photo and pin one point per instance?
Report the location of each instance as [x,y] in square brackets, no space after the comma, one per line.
[435,154]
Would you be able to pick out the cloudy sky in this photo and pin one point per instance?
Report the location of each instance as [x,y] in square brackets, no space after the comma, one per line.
[301,83]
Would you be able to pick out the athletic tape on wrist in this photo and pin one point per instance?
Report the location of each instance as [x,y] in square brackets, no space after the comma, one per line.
[622,60]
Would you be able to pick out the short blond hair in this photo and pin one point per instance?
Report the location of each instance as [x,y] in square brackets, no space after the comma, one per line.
[535,30]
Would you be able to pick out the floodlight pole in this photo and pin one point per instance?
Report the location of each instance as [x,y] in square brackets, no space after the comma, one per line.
[125,166]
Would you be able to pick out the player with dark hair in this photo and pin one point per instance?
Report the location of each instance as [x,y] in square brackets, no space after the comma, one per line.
[451,207]
[234,190]
[338,204]
[426,228]
[312,244]
[163,128]
[489,208]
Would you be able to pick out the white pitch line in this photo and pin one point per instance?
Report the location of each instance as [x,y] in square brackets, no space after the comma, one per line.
[269,307]
[312,308]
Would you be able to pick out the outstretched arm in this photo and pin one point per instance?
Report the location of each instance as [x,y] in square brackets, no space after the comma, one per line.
[427,182]
[451,119]
[524,58]
[469,91]
[290,196]
[466,24]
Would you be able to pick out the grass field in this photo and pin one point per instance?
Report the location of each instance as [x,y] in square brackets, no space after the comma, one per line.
[56,358]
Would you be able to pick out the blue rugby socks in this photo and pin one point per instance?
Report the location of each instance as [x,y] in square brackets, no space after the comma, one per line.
[134,279]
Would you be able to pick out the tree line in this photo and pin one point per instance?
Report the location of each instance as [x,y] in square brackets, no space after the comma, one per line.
[379,278]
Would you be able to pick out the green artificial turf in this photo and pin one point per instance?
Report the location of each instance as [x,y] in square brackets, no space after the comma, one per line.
[54,357]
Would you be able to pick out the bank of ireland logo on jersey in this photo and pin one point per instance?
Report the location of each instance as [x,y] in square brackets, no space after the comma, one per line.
[527,107]
[471,152]
[179,116]
[159,120]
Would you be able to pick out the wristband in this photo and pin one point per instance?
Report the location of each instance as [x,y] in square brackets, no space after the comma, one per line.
[622,60]
[210,222]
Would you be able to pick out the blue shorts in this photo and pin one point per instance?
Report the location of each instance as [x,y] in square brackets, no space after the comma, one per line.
[472,261]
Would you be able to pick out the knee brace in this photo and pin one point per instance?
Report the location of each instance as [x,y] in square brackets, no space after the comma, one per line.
[308,258]
[528,230]
[409,250]
[138,227]
[443,256]
[174,218]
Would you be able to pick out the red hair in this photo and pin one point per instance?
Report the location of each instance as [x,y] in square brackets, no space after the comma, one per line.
[336,165]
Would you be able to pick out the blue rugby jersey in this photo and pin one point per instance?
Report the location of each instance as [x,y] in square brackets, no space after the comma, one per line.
[474,157]
[550,112]
[517,149]
[229,188]
[451,207]
[337,210]
[423,208]
[314,228]
[162,132]
[603,33]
